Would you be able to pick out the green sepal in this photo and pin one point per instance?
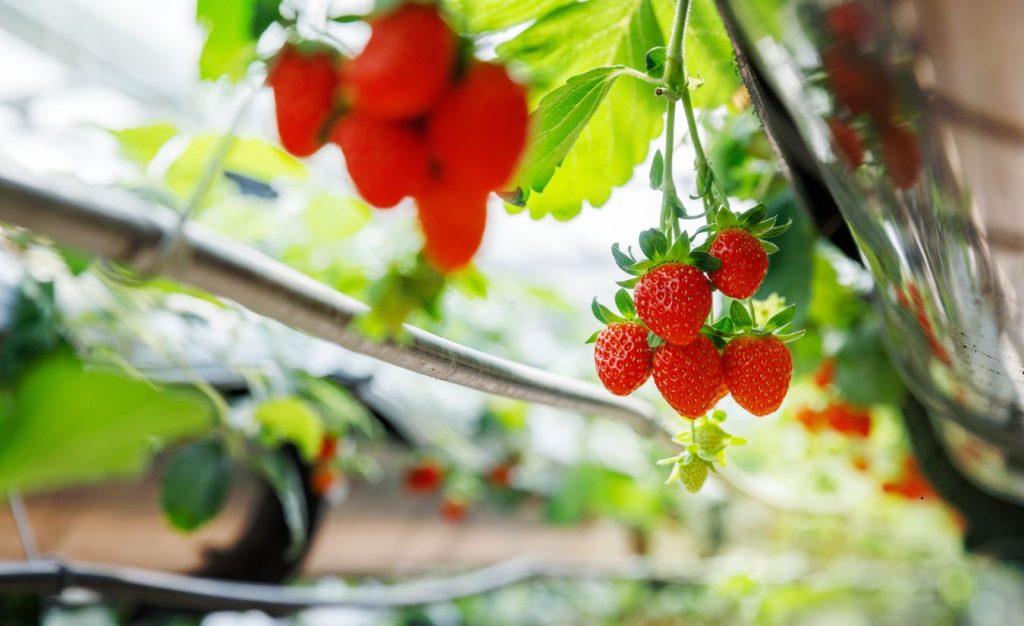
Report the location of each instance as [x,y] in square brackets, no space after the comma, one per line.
[625,304]
[762,227]
[657,170]
[753,215]
[775,231]
[592,338]
[629,283]
[603,313]
[781,319]
[719,416]
[704,261]
[653,243]
[740,316]
[654,341]
[623,260]
[769,247]
[790,337]
[725,219]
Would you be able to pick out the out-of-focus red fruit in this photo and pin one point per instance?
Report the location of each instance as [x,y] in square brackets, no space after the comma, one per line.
[912,485]
[453,221]
[860,463]
[303,82]
[386,160]
[812,420]
[425,477]
[454,510]
[902,155]
[501,475]
[323,479]
[848,21]
[328,449]
[848,143]
[406,65]
[825,375]
[848,420]
[478,130]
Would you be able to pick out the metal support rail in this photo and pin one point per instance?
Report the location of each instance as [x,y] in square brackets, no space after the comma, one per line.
[118,226]
[179,592]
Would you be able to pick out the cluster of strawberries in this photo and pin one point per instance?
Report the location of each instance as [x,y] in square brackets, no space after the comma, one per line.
[429,475]
[663,328]
[866,104]
[414,116]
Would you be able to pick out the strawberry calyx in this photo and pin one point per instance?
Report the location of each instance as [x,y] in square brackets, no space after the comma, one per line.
[739,321]
[626,314]
[659,249]
[754,220]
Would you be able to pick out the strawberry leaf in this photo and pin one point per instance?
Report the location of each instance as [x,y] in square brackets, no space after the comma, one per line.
[625,304]
[739,315]
[655,61]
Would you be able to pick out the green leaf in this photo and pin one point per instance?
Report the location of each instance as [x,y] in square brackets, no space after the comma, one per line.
[230,45]
[76,261]
[68,425]
[708,51]
[612,128]
[655,61]
[294,421]
[625,304]
[194,484]
[865,374]
[34,328]
[254,158]
[264,13]
[283,477]
[780,319]
[739,314]
[339,410]
[657,170]
[332,218]
[140,144]
[791,269]
[477,16]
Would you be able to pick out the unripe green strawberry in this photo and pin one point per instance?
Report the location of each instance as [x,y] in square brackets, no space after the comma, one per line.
[689,377]
[710,437]
[622,357]
[757,372]
[673,300]
[744,263]
[406,66]
[693,474]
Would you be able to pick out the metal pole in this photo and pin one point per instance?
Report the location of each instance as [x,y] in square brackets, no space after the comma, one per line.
[116,225]
[23,525]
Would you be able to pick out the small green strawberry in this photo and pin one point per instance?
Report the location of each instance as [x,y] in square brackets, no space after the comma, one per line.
[711,437]
[693,474]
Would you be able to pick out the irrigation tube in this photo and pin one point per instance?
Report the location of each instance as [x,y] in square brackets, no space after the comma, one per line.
[116,225]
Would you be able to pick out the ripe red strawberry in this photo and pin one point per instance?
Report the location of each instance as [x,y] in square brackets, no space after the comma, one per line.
[689,377]
[328,448]
[424,478]
[902,154]
[453,222]
[622,357]
[744,263]
[848,420]
[454,510]
[825,375]
[324,479]
[303,82]
[848,143]
[386,160]
[848,21]
[478,130]
[405,66]
[757,372]
[501,475]
[673,300]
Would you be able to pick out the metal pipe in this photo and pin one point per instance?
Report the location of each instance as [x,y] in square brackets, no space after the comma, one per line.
[118,226]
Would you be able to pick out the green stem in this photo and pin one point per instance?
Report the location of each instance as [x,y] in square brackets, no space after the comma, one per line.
[750,307]
[675,69]
[669,219]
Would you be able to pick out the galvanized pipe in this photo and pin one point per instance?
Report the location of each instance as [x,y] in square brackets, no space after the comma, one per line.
[119,226]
